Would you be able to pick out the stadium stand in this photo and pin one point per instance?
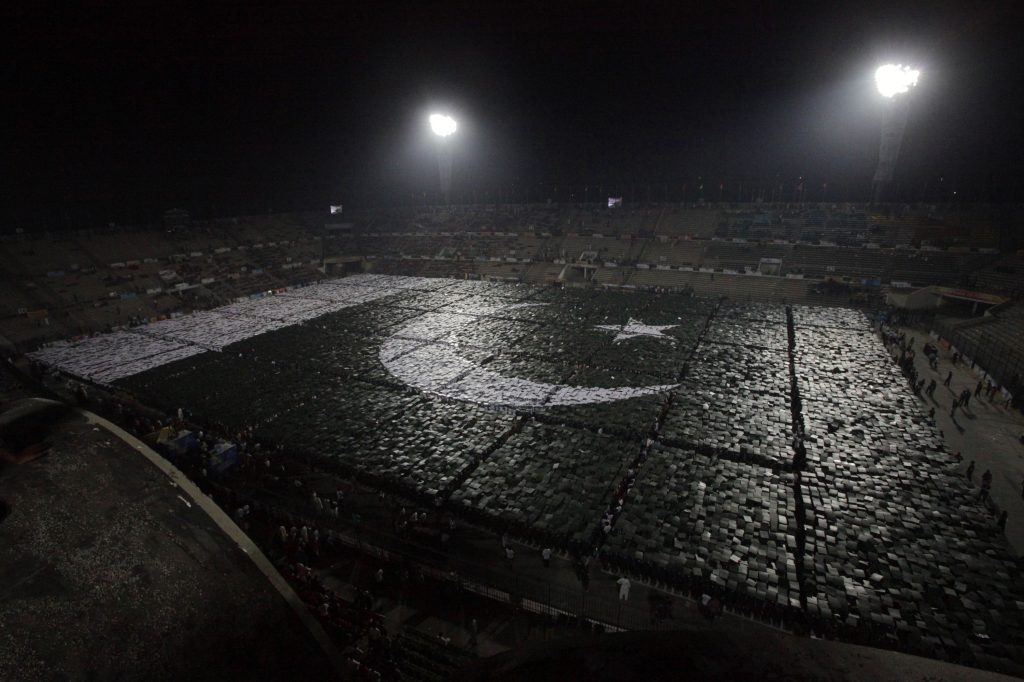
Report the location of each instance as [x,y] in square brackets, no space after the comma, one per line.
[738,256]
[1004,275]
[80,282]
[678,252]
[994,341]
[696,223]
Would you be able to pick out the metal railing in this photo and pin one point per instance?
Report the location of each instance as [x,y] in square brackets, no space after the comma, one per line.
[507,586]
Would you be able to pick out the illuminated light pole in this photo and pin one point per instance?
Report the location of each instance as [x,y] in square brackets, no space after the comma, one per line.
[893,81]
[444,127]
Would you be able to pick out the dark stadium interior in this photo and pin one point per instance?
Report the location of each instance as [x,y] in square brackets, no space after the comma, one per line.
[516,341]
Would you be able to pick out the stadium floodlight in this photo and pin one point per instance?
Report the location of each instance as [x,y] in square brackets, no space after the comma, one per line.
[895,79]
[442,125]
[892,80]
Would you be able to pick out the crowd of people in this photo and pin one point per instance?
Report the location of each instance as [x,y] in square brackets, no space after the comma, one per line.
[902,350]
[369,652]
[297,545]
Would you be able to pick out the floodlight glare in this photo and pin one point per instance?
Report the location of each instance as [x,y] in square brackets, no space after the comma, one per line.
[895,79]
[442,125]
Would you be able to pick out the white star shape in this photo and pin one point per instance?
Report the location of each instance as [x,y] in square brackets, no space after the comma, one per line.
[635,329]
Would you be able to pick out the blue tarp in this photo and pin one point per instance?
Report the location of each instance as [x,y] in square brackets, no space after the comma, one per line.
[225,456]
[183,442]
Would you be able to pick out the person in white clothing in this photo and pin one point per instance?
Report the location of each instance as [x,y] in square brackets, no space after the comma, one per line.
[624,585]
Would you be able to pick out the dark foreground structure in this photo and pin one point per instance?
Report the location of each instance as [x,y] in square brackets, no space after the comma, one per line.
[109,571]
[710,655]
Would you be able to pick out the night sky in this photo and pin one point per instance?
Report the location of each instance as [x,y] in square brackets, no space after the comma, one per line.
[118,112]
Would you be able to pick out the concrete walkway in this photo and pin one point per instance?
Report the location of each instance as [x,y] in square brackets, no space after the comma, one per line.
[986,432]
[196,497]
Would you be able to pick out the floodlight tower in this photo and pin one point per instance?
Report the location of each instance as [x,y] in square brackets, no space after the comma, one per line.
[444,126]
[894,81]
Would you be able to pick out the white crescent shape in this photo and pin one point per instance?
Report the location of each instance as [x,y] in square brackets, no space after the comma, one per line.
[417,356]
